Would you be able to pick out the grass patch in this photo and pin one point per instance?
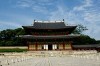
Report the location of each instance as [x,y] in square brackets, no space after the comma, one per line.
[13,50]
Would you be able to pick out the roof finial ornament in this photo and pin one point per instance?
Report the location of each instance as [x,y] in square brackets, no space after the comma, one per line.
[34,20]
[63,20]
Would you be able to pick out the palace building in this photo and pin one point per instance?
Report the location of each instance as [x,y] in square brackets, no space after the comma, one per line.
[49,35]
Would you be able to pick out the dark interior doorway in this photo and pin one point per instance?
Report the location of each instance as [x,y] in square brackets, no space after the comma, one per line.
[50,47]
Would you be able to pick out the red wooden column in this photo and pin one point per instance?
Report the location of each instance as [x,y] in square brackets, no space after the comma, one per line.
[28,45]
[63,45]
[54,42]
[71,45]
[36,44]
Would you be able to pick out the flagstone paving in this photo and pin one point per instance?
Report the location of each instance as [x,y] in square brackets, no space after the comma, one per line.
[57,61]
[52,60]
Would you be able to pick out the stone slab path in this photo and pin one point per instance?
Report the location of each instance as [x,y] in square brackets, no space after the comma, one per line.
[57,61]
[61,58]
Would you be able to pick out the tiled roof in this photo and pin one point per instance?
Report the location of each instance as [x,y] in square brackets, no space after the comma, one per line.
[49,25]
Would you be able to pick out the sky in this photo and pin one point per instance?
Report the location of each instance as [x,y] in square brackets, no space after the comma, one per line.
[16,13]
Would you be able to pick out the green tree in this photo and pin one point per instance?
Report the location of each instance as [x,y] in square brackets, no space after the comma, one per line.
[79,29]
[8,37]
[7,34]
[84,39]
[19,31]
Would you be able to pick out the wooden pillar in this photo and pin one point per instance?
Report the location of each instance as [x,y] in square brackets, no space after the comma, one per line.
[71,45]
[55,44]
[28,45]
[44,44]
[36,44]
[63,45]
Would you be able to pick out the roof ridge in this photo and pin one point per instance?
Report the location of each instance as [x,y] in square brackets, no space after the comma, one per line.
[48,22]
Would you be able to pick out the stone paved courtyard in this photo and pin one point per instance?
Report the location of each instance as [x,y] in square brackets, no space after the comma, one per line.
[57,61]
[51,60]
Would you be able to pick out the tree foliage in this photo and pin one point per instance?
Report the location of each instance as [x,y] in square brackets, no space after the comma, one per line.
[8,37]
[84,39]
[79,29]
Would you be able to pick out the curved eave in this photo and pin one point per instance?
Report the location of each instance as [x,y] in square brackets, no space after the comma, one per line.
[32,27]
[49,37]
